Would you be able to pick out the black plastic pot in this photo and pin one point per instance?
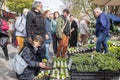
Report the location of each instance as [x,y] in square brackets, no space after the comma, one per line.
[100,75]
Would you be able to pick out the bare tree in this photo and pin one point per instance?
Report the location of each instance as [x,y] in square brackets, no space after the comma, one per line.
[1,3]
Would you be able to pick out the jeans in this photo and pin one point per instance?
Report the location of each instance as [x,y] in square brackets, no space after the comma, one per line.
[47,51]
[102,40]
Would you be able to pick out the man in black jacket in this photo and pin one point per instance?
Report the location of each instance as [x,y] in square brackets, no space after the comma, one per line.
[35,21]
[35,24]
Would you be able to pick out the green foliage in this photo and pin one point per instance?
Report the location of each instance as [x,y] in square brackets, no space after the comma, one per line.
[84,63]
[110,43]
[18,5]
[115,51]
[107,62]
[80,7]
[60,59]
[95,62]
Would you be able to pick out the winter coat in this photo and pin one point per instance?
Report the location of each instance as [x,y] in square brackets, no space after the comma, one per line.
[35,24]
[48,29]
[61,21]
[83,27]
[31,56]
[66,30]
[20,26]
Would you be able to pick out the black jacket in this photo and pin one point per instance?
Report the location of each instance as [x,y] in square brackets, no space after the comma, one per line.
[32,58]
[35,24]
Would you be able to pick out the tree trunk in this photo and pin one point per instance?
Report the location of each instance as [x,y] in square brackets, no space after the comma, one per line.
[2,1]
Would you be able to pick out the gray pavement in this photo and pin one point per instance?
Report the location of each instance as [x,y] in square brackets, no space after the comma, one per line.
[6,72]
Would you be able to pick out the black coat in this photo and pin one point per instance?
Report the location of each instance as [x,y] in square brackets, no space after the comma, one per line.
[35,24]
[32,58]
[4,38]
[73,37]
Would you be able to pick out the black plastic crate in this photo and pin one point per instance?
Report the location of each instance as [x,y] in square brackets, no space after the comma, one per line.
[100,75]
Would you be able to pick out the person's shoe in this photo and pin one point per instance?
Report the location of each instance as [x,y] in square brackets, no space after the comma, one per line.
[7,58]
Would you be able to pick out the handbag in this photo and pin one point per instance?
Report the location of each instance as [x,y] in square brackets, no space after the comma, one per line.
[18,64]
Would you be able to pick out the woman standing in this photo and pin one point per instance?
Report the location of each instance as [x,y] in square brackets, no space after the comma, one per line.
[54,27]
[74,28]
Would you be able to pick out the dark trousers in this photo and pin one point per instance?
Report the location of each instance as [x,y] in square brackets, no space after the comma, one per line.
[73,40]
[5,50]
[55,39]
[42,51]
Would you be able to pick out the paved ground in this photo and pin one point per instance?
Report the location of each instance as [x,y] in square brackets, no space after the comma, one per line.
[6,72]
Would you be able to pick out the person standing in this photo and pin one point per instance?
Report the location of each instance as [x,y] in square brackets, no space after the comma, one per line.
[102,30]
[4,38]
[63,33]
[54,28]
[20,27]
[84,30]
[48,41]
[74,28]
[11,29]
[35,23]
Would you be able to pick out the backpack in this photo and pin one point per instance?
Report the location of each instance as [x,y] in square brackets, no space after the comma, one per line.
[4,25]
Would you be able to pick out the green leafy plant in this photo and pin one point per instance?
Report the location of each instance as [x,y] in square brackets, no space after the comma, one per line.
[96,61]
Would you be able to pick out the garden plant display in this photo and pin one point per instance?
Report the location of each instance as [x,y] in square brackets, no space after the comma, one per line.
[92,62]
[60,70]
[83,49]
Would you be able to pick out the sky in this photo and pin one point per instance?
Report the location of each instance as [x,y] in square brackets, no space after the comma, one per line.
[52,5]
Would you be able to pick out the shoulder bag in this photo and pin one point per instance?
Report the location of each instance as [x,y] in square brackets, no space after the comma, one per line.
[18,64]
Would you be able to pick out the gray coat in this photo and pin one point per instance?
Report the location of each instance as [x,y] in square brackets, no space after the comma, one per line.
[83,27]
[20,26]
